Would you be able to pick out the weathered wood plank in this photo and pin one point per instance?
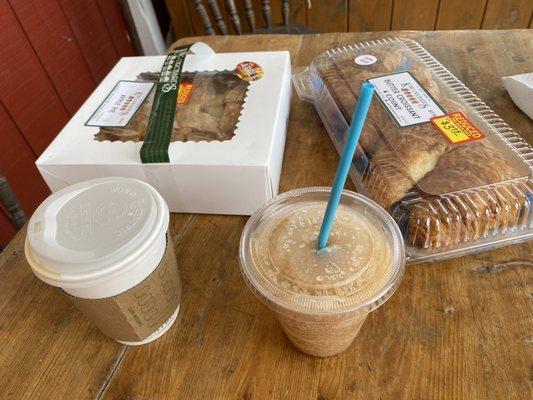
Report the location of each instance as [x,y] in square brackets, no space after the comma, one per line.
[180,17]
[460,14]
[90,31]
[25,89]
[7,229]
[328,16]
[366,16]
[116,25]
[54,44]
[297,11]
[17,164]
[509,14]
[414,14]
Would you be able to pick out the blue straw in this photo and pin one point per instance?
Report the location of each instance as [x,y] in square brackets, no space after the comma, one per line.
[358,121]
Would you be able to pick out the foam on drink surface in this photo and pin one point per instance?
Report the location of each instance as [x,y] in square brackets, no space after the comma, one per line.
[289,266]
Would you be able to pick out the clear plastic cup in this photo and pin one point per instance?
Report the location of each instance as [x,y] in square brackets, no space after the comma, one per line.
[321,299]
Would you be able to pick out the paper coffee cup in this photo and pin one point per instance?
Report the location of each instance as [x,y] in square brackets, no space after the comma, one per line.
[104,243]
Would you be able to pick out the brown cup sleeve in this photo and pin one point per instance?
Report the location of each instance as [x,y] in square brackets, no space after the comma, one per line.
[133,315]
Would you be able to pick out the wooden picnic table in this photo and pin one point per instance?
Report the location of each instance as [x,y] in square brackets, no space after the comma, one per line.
[457,329]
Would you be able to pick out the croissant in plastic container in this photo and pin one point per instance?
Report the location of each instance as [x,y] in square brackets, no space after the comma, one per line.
[443,192]
[343,83]
[394,170]
[404,157]
[465,215]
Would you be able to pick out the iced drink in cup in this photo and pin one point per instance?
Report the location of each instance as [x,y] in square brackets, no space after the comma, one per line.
[321,299]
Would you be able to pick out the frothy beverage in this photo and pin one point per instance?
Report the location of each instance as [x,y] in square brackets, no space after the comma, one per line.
[321,298]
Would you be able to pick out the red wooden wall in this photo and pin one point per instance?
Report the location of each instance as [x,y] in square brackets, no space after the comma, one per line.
[52,55]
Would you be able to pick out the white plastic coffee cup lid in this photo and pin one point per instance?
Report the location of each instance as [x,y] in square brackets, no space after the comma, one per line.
[95,229]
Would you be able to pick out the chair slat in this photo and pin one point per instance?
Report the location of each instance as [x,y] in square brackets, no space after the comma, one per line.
[11,204]
[213,16]
[250,15]
[285,11]
[232,11]
[219,21]
[204,17]
[267,13]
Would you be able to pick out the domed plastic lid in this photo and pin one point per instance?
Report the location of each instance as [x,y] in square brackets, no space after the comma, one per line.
[94,228]
[360,269]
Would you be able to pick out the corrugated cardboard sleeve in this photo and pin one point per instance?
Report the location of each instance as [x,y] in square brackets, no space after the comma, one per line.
[135,314]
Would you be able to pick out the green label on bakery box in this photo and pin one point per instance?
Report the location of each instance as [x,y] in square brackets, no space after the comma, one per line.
[159,129]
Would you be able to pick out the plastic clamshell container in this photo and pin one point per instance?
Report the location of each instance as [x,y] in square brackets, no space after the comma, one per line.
[453,175]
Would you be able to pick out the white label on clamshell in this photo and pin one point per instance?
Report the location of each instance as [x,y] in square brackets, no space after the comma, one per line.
[121,104]
[405,99]
[365,59]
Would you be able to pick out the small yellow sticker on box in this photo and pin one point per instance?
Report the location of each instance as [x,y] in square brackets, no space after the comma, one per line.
[184,93]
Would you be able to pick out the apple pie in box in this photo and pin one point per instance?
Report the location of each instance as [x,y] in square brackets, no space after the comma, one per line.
[206,129]
[455,177]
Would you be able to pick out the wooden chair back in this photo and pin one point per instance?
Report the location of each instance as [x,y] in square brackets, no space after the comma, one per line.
[233,16]
[10,203]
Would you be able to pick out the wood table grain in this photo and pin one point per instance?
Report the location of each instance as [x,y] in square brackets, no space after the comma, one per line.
[457,329]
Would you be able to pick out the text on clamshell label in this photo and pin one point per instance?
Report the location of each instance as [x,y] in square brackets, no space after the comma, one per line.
[405,99]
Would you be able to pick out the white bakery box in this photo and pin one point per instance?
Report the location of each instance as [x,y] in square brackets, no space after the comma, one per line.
[233,176]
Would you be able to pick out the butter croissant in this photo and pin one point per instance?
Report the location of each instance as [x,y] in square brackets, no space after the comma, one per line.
[442,194]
